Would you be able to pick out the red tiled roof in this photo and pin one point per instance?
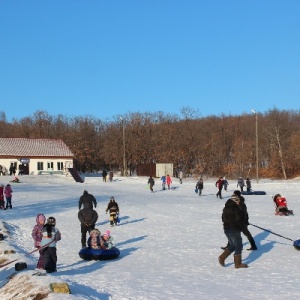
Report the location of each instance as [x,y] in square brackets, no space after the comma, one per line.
[22,147]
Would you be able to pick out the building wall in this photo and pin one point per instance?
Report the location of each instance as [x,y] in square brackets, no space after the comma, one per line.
[39,164]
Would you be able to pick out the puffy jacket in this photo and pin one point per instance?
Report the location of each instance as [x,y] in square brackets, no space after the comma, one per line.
[37,231]
[233,216]
[8,191]
[87,216]
[87,200]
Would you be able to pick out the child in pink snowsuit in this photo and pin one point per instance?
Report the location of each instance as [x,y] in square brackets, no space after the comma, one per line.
[37,237]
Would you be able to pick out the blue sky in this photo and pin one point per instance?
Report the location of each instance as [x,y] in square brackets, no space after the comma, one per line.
[108,58]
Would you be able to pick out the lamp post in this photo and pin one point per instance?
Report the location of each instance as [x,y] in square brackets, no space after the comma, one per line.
[256,143]
[124,152]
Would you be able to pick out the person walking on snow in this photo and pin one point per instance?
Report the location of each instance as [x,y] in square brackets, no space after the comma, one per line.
[113,209]
[8,195]
[246,232]
[199,186]
[241,183]
[87,200]
[248,185]
[219,185]
[180,176]
[225,183]
[233,225]
[169,181]
[88,218]
[163,182]
[151,183]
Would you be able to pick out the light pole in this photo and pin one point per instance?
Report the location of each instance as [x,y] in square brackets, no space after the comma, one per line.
[124,152]
[256,143]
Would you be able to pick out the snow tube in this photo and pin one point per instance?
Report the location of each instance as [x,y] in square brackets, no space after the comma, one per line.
[254,193]
[247,193]
[99,254]
[259,193]
[297,244]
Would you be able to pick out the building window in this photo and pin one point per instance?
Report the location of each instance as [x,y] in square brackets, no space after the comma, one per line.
[40,166]
[60,165]
[50,165]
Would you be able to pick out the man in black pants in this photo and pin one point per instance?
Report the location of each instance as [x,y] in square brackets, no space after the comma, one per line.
[88,218]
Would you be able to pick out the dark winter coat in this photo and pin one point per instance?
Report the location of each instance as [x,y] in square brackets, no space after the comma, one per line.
[112,207]
[244,209]
[199,184]
[248,183]
[219,184]
[87,216]
[87,200]
[151,181]
[232,216]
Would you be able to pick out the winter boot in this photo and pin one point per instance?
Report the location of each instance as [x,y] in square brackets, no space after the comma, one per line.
[223,256]
[252,243]
[238,262]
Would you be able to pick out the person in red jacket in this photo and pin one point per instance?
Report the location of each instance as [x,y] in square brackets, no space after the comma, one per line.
[169,181]
[219,185]
[281,205]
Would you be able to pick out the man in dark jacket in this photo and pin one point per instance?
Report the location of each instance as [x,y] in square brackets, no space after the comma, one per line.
[233,225]
[88,218]
[87,200]
[246,232]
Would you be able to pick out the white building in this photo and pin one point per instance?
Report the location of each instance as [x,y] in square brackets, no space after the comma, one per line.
[35,156]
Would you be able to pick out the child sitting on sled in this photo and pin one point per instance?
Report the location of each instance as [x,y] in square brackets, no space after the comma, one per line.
[281,206]
[107,240]
[96,241]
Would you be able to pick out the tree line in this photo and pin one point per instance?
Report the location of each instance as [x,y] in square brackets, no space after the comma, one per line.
[209,146]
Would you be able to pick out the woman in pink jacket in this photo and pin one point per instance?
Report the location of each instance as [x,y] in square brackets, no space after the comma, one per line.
[8,195]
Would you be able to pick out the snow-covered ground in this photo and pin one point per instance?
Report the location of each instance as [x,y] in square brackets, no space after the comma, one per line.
[169,240]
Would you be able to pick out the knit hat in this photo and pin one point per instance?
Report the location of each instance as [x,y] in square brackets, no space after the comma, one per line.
[235,198]
[238,193]
[112,198]
[51,221]
[95,231]
[107,233]
[40,217]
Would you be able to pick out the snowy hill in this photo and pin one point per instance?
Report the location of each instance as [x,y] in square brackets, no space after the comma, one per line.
[169,240]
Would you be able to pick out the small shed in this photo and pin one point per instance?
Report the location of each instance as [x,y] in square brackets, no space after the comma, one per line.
[155,170]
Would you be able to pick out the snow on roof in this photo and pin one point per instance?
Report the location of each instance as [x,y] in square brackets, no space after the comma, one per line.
[23,147]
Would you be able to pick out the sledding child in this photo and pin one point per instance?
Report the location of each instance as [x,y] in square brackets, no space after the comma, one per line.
[94,239]
[37,238]
[2,203]
[107,240]
[50,234]
[113,209]
[8,195]
[281,206]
